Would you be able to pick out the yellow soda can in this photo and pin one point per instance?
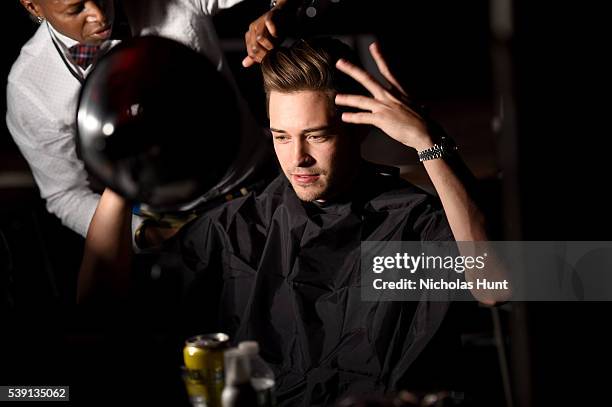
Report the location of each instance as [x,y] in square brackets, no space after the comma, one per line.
[204,373]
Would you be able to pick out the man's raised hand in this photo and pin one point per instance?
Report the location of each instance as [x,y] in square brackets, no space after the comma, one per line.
[389,106]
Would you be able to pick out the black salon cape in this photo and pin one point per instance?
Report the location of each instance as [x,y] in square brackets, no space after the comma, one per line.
[287,274]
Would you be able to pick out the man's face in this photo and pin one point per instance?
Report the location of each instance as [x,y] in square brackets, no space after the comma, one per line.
[88,22]
[314,151]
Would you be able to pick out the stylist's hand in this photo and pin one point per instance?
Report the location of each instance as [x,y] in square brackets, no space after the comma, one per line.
[154,235]
[265,33]
[389,108]
[153,232]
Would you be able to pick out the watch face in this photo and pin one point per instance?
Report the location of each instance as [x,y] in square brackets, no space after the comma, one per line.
[448,144]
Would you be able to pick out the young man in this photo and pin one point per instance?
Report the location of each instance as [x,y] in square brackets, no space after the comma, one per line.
[283,267]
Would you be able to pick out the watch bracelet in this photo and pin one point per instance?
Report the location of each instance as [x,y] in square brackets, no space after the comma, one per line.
[431,153]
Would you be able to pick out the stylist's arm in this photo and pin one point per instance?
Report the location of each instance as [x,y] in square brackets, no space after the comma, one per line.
[107,259]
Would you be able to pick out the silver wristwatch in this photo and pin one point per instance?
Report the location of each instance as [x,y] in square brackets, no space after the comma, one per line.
[444,148]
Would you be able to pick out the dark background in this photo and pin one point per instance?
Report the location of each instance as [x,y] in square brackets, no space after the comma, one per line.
[528,108]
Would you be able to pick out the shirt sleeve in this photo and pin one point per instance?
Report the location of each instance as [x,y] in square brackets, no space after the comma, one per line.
[211,7]
[198,265]
[49,147]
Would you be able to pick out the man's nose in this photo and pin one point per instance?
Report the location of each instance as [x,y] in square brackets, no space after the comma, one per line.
[97,12]
[301,154]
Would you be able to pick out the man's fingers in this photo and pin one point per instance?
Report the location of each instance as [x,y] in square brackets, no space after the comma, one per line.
[384,68]
[358,118]
[270,25]
[362,77]
[264,40]
[259,39]
[357,101]
[255,51]
[248,61]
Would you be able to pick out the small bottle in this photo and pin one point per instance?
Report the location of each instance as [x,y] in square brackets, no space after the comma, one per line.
[262,377]
[238,390]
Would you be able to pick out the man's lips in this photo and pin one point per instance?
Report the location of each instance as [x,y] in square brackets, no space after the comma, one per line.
[103,33]
[305,178]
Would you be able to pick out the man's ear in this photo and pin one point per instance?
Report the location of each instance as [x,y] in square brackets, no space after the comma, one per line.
[33,8]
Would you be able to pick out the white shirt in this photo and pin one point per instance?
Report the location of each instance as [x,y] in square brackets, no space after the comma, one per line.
[42,98]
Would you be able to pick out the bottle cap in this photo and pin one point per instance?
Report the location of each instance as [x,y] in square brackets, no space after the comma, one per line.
[249,347]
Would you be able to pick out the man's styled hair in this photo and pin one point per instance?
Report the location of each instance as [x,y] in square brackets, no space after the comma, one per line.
[309,65]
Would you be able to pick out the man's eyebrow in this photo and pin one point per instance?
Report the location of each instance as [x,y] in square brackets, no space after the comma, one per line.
[309,130]
[319,128]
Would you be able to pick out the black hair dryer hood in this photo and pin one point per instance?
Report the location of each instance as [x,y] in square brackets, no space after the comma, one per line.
[158,123]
